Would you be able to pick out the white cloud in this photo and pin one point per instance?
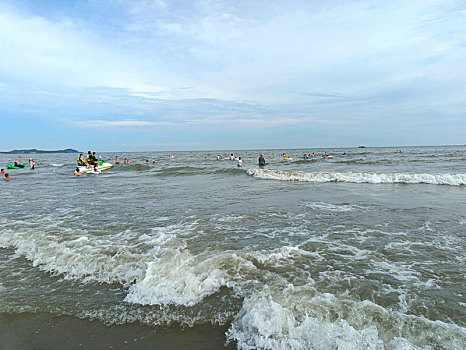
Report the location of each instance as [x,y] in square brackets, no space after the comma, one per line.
[115,123]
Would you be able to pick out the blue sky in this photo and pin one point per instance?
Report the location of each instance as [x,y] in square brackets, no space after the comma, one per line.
[114,75]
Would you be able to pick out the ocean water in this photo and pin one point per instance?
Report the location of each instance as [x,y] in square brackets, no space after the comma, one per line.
[364,251]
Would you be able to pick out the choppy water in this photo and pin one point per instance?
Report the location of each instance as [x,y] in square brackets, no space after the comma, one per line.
[365,251]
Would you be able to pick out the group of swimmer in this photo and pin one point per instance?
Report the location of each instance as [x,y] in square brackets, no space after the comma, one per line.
[32,165]
[231,157]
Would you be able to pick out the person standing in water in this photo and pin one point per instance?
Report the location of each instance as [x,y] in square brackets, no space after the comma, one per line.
[117,160]
[240,162]
[261,160]
[32,164]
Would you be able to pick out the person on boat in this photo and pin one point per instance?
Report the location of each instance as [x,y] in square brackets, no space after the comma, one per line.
[96,171]
[90,158]
[2,171]
[94,157]
[261,160]
[77,172]
[7,177]
[232,157]
[117,160]
[81,161]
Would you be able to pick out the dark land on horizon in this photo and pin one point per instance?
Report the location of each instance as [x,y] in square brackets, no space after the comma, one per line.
[33,150]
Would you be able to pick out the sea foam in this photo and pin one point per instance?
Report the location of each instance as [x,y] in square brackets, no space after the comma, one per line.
[305,319]
[373,178]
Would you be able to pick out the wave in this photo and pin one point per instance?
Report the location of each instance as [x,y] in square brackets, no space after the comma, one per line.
[373,178]
[302,318]
[181,171]
[57,165]
[236,170]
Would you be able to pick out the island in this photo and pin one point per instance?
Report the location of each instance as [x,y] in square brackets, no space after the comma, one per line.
[31,151]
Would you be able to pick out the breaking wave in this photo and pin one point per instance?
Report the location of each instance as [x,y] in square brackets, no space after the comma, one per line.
[373,178]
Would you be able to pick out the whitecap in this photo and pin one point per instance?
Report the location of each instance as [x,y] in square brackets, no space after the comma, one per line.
[373,178]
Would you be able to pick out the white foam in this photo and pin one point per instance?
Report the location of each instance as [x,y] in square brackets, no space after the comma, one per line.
[373,178]
[179,277]
[75,254]
[282,256]
[331,207]
[300,318]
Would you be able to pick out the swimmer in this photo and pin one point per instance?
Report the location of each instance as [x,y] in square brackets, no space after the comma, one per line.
[19,165]
[77,172]
[2,171]
[147,161]
[7,177]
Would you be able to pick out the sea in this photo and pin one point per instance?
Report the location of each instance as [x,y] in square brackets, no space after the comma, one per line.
[364,250]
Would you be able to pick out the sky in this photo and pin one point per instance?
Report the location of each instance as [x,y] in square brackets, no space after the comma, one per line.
[149,75]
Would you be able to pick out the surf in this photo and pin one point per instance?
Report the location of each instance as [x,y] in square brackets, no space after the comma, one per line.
[369,177]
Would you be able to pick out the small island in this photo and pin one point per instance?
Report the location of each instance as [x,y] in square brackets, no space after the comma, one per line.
[33,150]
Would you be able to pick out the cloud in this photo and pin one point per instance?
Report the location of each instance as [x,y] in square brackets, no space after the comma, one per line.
[203,65]
[115,123]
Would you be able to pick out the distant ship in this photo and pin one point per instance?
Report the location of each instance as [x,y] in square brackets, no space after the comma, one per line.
[361,146]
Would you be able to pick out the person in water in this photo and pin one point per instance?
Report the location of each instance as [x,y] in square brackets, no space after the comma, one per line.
[2,171]
[77,172]
[261,160]
[240,162]
[19,165]
[117,160]
[32,164]
[147,161]
[125,161]
[7,177]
